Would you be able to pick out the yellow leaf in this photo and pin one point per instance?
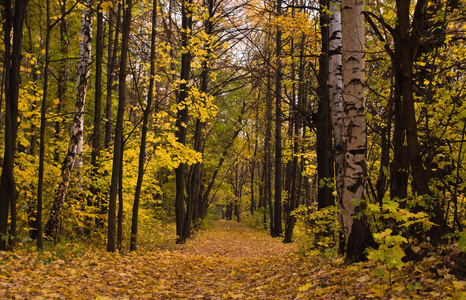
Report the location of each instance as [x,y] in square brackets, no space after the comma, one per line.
[459,285]
[379,290]
[305,287]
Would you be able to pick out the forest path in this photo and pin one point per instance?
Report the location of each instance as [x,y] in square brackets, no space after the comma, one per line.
[227,261]
[232,261]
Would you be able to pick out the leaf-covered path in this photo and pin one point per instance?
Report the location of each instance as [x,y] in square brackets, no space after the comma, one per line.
[229,261]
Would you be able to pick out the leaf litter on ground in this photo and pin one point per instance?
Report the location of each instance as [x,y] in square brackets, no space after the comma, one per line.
[228,261]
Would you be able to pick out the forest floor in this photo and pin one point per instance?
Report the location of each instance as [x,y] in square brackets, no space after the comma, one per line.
[227,261]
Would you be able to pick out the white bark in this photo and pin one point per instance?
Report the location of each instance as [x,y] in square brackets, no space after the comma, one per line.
[354,113]
[75,148]
[335,91]
[83,70]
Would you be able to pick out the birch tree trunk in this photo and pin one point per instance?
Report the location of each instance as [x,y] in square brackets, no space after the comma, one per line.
[357,235]
[73,159]
[335,91]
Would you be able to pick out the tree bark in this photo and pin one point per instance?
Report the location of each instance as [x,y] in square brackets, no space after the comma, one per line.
[63,75]
[335,91]
[195,199]
[181,123]
[113,36]
[267,152]
[145,122]
[12,65]
[277,227]
[253,166]
[357,234]
[95,199]
[322,117]
[293,166]
[118,145]
[73,160]
[407,37]
[42,133]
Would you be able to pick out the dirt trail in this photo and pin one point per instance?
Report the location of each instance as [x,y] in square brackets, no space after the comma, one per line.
[232,261]
[229,261]
[235,240]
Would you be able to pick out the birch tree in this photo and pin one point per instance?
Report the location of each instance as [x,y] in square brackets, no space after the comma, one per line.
[73,159]
[357,235]
[335,90]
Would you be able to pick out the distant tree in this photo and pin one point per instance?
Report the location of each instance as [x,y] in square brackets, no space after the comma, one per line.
[142,149]
[267,169]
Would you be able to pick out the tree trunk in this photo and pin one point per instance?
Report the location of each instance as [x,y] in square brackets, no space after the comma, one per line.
[181,122]
[118,145]
[357,235]
[293,166]
[73,160]
[253,166]
[142,148]
[407,42]
[120,214]
[63,75]
[384,161]
[400,164]
[12,65]
[42,134]
[195,182]
[335,91]
[293,192]
[277,227]
[267,152]
[322,118]
[94,198]
[111,62]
